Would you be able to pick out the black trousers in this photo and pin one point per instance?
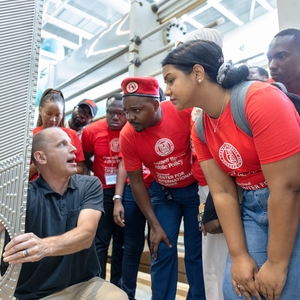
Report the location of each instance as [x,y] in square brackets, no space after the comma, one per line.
[107,230]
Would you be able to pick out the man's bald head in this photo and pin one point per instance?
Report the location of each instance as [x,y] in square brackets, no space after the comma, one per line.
[40,140]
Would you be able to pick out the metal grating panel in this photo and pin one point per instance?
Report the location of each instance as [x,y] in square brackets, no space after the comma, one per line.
[20,26]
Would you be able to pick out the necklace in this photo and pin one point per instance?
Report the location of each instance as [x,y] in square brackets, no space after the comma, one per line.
[218,120]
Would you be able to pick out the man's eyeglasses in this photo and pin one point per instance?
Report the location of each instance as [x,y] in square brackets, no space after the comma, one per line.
[112,113]
[84,113]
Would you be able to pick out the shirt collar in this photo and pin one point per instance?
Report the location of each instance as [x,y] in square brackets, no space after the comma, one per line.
[46,189]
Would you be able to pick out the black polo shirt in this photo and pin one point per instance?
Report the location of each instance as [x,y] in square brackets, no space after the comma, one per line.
[48,214]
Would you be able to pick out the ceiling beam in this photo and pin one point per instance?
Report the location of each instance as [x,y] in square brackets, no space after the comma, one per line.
[265,5]
[193,22]
[83,14]
[200,10]
[73,29]
[225,12]
[47,35]
[119,5]
[253,2]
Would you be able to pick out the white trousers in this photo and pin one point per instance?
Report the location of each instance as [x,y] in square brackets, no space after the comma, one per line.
[214,255]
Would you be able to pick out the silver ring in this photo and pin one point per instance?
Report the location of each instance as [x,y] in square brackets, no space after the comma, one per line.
[238,286]
[25,253]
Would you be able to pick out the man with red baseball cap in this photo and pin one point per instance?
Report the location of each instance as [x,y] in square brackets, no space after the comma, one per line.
[82,115]
[158,136]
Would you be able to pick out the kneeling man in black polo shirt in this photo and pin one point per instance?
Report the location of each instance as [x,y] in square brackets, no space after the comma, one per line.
[57,249]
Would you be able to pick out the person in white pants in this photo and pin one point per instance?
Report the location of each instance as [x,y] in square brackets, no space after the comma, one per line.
[214,255]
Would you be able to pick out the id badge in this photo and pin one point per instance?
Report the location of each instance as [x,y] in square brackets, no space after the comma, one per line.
[110,179]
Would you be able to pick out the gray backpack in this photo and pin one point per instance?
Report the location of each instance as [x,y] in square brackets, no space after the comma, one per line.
[237,105]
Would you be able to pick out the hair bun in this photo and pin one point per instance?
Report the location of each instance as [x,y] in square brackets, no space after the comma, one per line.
[223,70]
[243,72]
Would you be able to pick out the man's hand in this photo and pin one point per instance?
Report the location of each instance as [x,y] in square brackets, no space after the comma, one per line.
[270,280]
[119,213]
[212,227]
[157,235]
[24,248]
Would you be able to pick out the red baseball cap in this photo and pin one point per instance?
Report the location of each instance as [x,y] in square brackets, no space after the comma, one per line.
[140,86]
[91,104]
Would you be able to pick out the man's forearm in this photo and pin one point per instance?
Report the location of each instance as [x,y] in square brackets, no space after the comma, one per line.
[70,242]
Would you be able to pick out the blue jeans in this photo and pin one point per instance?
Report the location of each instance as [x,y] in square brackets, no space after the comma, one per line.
[254,209]
[106,230]
[134,240]
[169,212]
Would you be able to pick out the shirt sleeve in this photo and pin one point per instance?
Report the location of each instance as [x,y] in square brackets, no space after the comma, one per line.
[93,194]
[274,123]
[131,159]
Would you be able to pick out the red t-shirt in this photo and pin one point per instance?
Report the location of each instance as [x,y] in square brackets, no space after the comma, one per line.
[274,122]
[148,178]
[74,140]
[97,138]
[164,148]
[146,174]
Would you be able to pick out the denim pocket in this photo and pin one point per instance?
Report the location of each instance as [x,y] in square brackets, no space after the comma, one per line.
[255,205]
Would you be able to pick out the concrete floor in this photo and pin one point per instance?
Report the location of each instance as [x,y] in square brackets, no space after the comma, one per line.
[143,292]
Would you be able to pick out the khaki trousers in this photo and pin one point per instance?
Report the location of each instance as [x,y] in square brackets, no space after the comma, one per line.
[94,289]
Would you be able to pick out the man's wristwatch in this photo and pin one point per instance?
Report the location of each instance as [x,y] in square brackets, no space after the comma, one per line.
[115,197]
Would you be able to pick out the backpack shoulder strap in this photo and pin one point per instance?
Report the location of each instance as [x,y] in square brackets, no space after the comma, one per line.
[293,97]
[199,126]
[280,85]
[237,105]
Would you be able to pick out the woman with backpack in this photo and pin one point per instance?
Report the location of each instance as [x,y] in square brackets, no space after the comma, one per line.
[262,232]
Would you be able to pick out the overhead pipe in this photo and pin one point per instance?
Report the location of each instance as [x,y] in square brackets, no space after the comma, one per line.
[156,5]
[138,61]
[165,5]
[120,72]
[97,83]
[93,68]
[115,55]
[177,9]
[158,28]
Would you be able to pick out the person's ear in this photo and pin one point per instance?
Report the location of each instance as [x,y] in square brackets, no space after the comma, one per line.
[156,104]
[198,73]
[40,157]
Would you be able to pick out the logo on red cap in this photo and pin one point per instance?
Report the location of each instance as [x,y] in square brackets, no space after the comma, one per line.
[132,87]
[90,102]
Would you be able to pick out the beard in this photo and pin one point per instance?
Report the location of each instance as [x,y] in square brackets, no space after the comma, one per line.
[78,124]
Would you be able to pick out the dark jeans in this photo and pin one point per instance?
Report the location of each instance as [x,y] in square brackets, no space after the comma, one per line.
[134,240]
[170,206]
[106,230]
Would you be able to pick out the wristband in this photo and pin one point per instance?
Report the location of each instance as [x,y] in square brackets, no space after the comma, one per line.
[115,197]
